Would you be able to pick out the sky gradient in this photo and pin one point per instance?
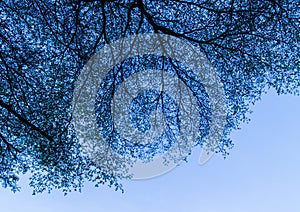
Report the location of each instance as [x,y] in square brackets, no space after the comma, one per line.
[261,174]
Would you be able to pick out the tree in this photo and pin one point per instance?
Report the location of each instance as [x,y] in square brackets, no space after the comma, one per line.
[254,46]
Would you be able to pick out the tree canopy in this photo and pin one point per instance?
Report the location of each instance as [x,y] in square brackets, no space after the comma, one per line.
[253,45]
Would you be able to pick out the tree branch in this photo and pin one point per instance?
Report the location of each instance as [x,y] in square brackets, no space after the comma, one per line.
[9,145]
[24,120]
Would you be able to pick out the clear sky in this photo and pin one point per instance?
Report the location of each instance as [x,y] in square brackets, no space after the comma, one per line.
[262,173]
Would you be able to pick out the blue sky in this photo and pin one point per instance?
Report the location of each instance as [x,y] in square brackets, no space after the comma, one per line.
[261,173]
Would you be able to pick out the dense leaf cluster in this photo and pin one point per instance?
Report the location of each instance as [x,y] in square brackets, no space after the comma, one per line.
[254,45]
